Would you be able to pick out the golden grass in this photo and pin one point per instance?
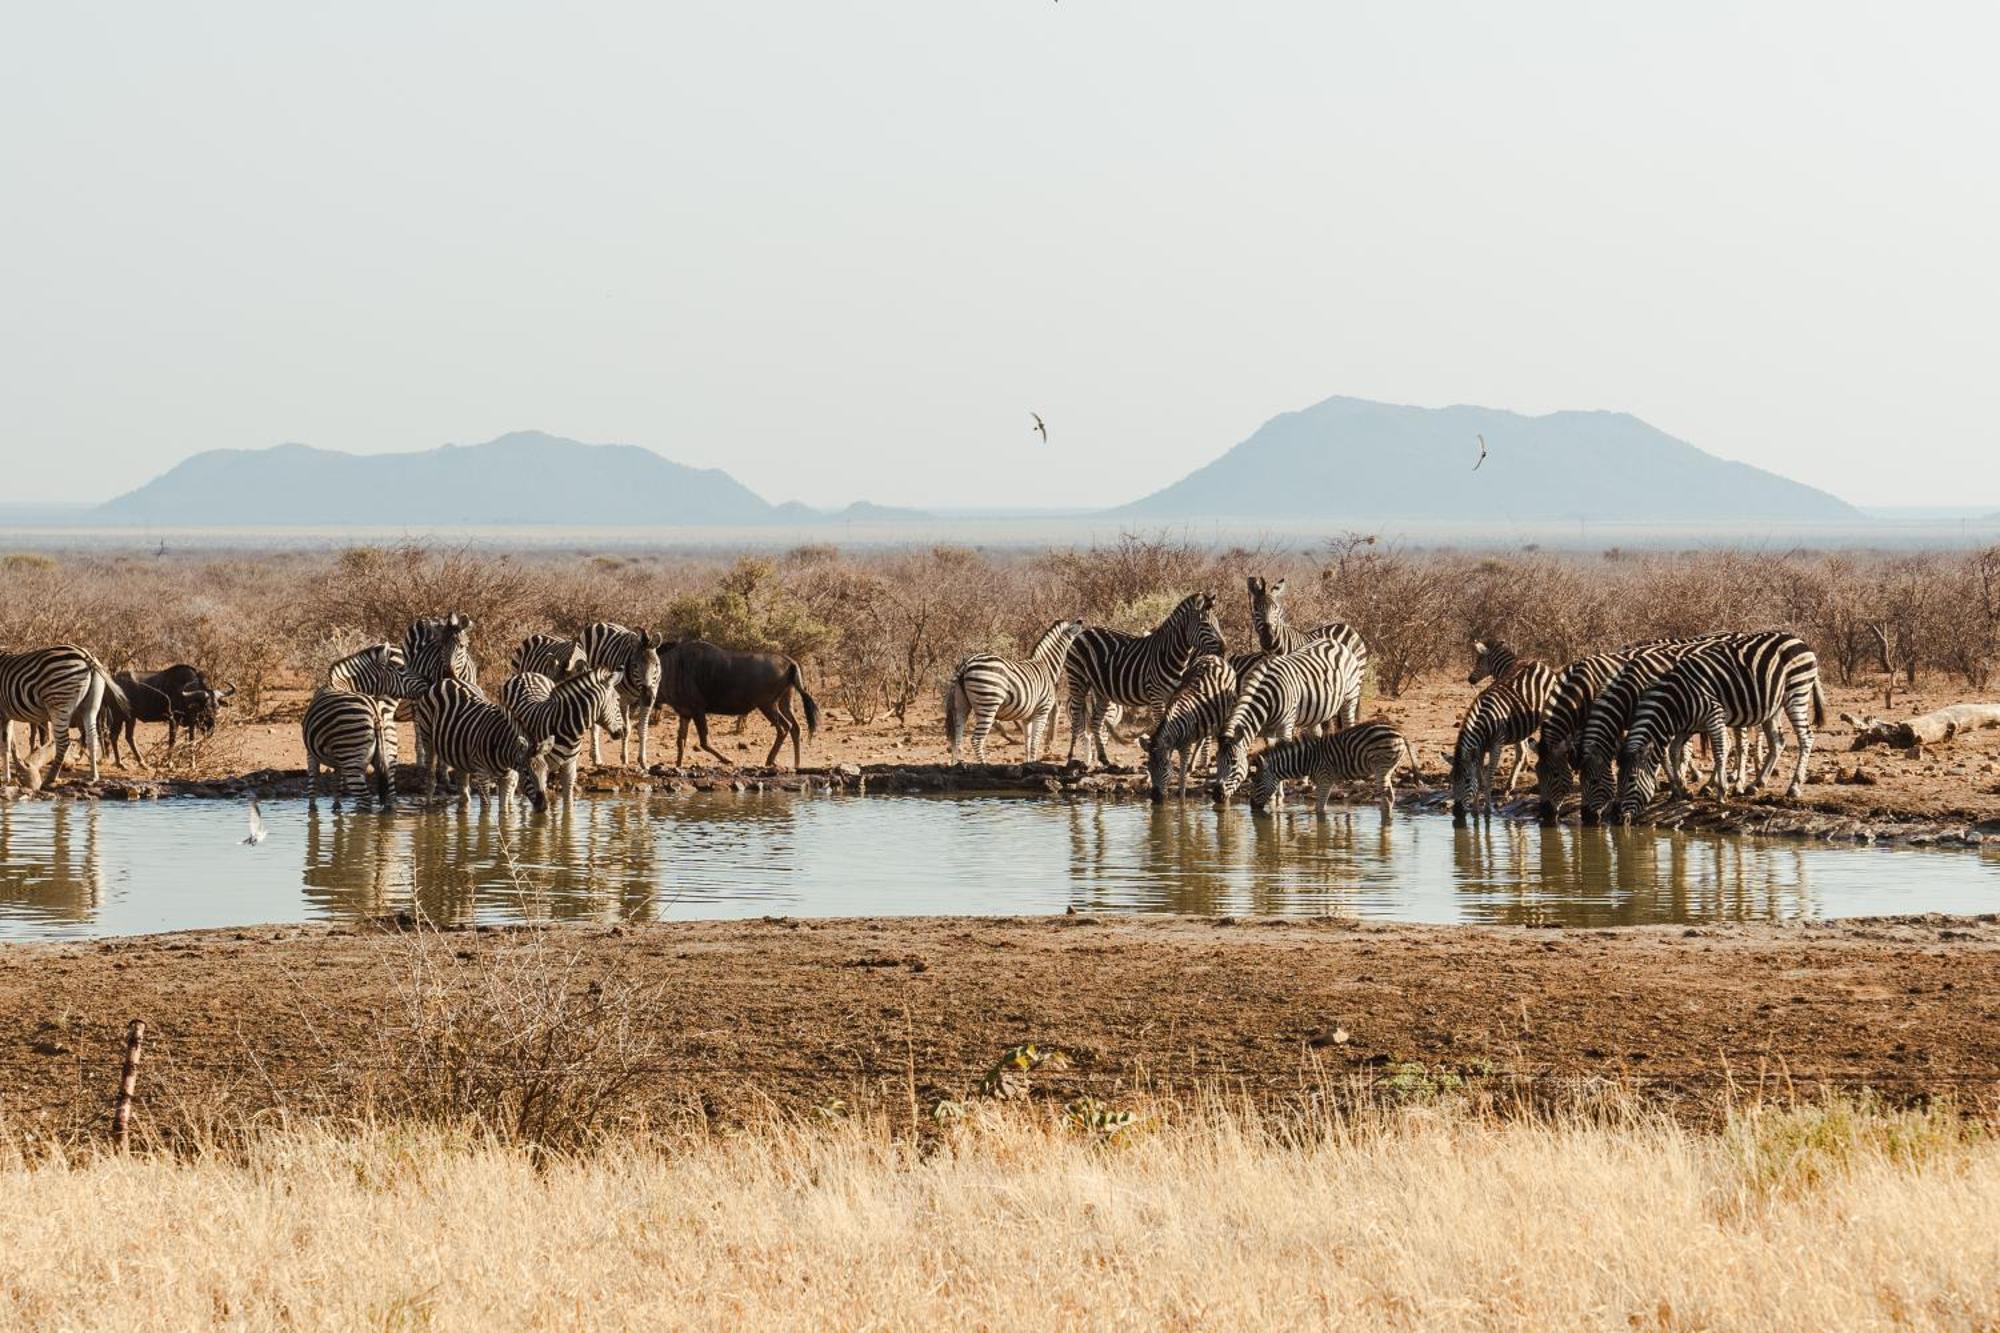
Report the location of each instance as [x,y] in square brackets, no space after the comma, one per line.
[1839,1217]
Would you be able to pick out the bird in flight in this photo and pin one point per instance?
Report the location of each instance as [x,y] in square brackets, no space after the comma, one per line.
[256,825]
[1482,452]
[1039,427]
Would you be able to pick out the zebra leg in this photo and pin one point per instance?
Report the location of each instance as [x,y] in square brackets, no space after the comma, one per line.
[1079,705]
[1321,790]
[982,723]
[1100,756]
[1802,729]
[646,727]
[61,732]
[1774,744]
[7,744]
[1520,762]
[597,755]
[1718,740]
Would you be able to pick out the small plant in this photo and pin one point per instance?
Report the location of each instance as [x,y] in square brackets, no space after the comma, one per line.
[1011,1075]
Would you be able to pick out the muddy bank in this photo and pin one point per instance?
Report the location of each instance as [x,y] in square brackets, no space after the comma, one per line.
[796,1013]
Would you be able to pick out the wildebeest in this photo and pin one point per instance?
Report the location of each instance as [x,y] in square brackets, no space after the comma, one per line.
[178,696]
[697,678]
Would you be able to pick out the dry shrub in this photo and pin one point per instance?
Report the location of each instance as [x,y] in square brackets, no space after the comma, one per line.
[380,590]
[1404,605]
[751,611]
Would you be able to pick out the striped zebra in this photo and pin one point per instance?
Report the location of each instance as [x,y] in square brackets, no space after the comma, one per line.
[377,670]
[1267,615]
[1194,715]
[1370,752]
[350,732]
[1602,733]
[435,647]
[1576,687]
[1500,716]
[988,687]
[57,687]
[1317,686]
[463,732]
[636,654]
[549,655]
[1747,680]
[555,715]
[1534,681]
[1108,666]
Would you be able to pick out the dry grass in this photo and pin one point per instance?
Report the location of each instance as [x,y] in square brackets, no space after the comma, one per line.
[1837,1217]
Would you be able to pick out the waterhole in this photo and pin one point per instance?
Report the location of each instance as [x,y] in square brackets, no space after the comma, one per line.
[87,868]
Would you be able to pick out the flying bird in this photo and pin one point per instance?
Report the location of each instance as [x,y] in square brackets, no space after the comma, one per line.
[256,825]
[1044,430]
[1482,452]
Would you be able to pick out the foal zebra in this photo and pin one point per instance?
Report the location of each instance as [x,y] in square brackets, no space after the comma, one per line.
[1107,666]
[1534,681]
[461,731]
[554,715]
[1319,685]
[1193,717]
[988,687]
[1747,680]
[57,687]
[1372,752]
[549,655]
[1267,615]
[636,654]
[1504,714]
[350,732]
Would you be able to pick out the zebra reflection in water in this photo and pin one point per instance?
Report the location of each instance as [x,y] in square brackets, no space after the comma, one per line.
[63,881]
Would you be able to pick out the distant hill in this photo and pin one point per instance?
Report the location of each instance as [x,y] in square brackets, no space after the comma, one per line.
[524,477]
[1348,457]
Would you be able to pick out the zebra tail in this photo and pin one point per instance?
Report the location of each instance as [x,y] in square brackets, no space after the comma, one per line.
[112,693]
[811,707]
[1819,704]
[1411,755]
[956,706]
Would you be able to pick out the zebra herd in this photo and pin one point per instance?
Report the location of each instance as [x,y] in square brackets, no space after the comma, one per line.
[1605,727]
[561,690]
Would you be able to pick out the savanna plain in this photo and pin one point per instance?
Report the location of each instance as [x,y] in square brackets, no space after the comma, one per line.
[1081,1121]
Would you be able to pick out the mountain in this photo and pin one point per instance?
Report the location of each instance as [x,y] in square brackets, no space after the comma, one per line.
[1348,457]
[525,477]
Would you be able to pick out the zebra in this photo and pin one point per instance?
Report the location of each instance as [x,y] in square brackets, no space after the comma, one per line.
[463,732]
[348,731]
[435,647]
[1610,714]
[1371,751]
[635,653]
[555,715]
[57,687]
[549,655]
[987,687]
[1107,666]
[1267,615]
[1500,716]
[1193,717]
[1746,680]
[1576,687]
[1319,685]
[1533,680]
[379,670]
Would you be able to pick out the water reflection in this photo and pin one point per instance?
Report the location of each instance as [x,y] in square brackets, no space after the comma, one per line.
[78,868]
[51,865]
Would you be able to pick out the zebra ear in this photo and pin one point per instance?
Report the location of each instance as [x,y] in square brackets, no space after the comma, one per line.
[1479,645]
[1277,587]
[1208,601]
[1256,584]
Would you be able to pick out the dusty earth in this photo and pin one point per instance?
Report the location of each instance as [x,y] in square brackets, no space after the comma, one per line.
[794,1014]
[1953,786]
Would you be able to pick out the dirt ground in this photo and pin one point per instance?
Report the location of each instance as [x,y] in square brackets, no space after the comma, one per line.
[1955,783]
[793,1013]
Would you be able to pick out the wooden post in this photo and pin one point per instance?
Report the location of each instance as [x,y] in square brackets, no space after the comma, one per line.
[128,1079]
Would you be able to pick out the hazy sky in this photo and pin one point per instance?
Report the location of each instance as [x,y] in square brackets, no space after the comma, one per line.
[843,249]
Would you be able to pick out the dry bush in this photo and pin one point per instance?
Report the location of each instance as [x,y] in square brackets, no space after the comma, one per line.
[380,590]
[1406,606]
[751,610]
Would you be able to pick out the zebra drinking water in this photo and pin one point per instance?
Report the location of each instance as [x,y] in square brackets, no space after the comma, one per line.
[554,716]
[1318,685]
[463,732]
[1107,666]
[988,687]
[1194,716]
[1369,752]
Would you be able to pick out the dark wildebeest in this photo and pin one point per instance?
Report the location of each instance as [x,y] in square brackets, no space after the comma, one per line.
[178,696]
[697,678]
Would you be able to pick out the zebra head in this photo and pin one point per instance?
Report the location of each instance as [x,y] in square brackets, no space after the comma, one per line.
[1553,771]
[1232,765]
[1638,777]
[1264,785]
[1195,626]
[606,709]
[1159,764]
[1596,765]
[1053,645]
[1464,784]
[1489,659]
[1267,612]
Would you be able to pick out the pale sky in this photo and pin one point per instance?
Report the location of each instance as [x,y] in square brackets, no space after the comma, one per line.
[842,250]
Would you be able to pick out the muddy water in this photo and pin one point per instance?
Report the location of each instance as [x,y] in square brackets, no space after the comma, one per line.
[77,869]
